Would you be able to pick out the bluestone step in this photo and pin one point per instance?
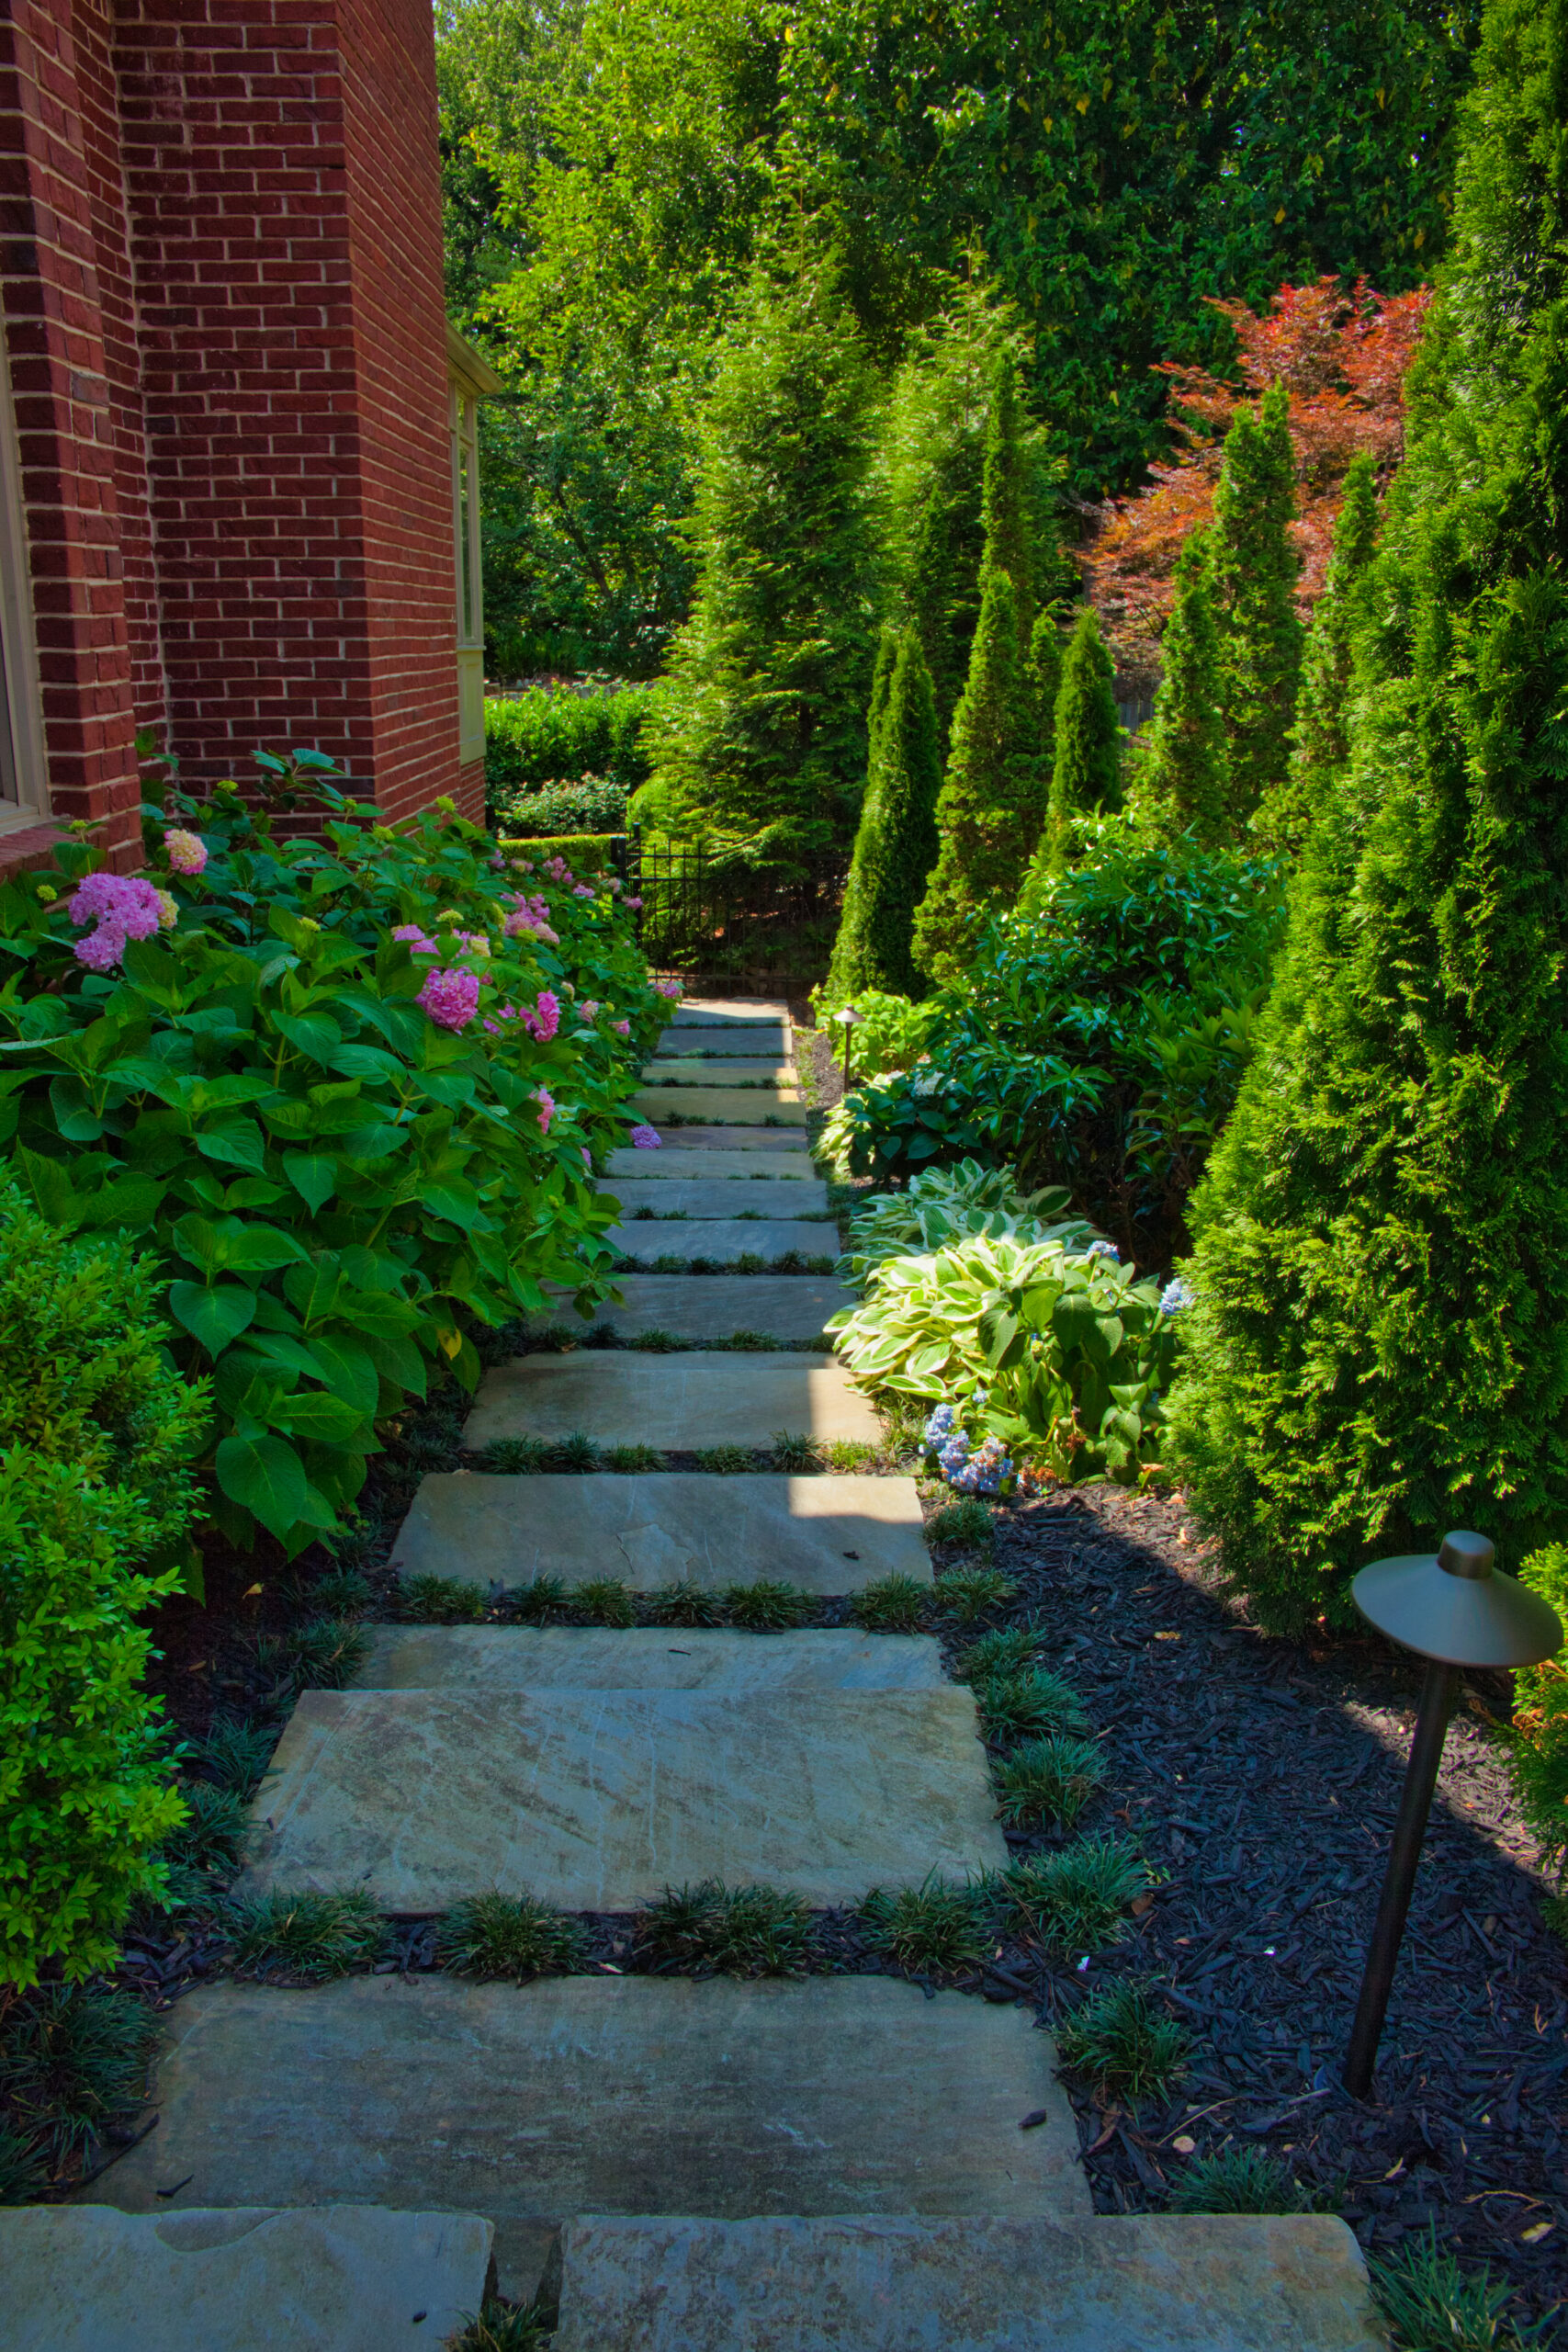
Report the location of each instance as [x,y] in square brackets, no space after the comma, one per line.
[749,1038]
[603,1658]
[756,1109]
[731,1011]
[829,1533]
[776,1142]
[594,1800]
[605,2094]
[348,2278]
[693,1399]
[722,1239]
[758,1076]
[776,1157]
[1110,2283]
[774,1306]
[716,1196]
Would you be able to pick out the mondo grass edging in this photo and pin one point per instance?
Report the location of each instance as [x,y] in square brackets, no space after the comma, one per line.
[745,1262]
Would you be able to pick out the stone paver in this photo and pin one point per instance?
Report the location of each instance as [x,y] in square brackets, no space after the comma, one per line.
[827,1534]
[693,1399]
[338,2278]
[722,1238]
[716,1196]
[594,1800]
[641,1658]
[747,1039]
[654,1104]
[776,1306]
[767,1012]
[584,2094]
[1125,2283]
[758,1076]
[729,1155]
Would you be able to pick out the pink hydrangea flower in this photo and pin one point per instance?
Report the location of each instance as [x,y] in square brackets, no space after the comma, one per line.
[623,1028]
[667,988]
[420,944]
[168,910]
[646,1139]
[451,996]
[589,1008]
[547,1103]
[122,906]
[187,852]
[583,891]
[544,1019]
[588,1160]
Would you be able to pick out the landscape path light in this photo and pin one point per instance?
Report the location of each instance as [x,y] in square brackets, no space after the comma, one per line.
[850,1018]
[1454,1609]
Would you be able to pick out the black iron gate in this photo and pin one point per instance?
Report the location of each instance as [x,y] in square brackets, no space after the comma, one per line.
[707,913]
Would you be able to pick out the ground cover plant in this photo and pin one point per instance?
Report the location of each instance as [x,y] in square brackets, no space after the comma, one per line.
[349,1085]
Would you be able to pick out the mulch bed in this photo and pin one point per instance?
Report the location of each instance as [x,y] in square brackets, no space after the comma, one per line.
[1265,1777]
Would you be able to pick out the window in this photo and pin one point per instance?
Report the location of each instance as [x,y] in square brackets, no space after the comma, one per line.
[468,381]
[24,795]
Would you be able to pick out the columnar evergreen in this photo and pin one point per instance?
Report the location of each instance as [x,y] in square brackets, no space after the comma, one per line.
[761,737]
[1007,500]
[1043,677]
[944,577]
[1380,1343]
[841,984]
[1185,776]
[1255,568]
[896,847]
[989,813]
[1320,744]
[1087,769]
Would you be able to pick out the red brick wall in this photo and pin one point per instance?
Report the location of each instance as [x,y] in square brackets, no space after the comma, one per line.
[64,283]
[221,275]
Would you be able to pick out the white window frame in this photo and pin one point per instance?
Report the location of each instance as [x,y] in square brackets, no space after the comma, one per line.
[24,768]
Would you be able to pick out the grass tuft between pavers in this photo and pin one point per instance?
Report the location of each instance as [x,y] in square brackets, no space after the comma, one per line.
[939,1924]
[894,1604]
[312,1935]
[72,2057]
[1048,1780]
[1119,2041]
[505,2328]
[733,1930]
[430,1599]
[493,1937]
[967,1594]
[767,1607]
[1078,1899]
[1027,1706]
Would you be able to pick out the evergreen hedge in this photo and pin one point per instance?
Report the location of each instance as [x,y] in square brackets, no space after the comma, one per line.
[1380,1346]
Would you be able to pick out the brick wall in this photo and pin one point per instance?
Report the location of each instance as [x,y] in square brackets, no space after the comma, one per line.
[221,275]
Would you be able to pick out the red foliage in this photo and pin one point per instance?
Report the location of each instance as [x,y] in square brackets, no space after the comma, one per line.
[1343,359]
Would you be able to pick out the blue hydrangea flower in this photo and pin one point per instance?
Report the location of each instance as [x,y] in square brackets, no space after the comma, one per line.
[1175,1297]
[984,1471]
[1104,1249]
[939,1425]
[954,1454]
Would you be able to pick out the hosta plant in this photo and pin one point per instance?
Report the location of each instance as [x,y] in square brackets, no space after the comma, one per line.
[944,1204]
[1060,1355]
[350,1087]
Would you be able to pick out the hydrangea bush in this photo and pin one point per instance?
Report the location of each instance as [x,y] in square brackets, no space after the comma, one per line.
[340,1093]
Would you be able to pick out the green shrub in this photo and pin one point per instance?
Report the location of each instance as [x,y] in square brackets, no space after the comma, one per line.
[1538,1748]
[594,809]
[546,737]
[1377,1350]
[1096,1037]
[589,851]
[890,1031]
[95,1431]
[339,1183]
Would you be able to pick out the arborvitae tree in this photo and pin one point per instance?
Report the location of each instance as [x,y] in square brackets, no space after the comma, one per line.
[1320,745]
[840,983]
[1007,500]
[944,576]
[761,739]
[896,847]
[989,812]
[1380,1344]
[1255,568]
[1087,772]
[1043,677]
[1185,774]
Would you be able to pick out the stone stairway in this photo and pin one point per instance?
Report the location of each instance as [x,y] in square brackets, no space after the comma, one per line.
[777,2166]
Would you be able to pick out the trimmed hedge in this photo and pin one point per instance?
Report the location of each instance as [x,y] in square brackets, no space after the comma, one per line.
[544,737]
[579,850]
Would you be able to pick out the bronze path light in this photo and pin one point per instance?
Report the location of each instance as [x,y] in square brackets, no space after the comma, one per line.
[1454,1609]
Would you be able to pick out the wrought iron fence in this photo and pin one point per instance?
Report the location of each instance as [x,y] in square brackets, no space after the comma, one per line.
[711,915]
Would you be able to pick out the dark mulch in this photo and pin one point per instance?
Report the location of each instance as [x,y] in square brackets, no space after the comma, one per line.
[1264,1776]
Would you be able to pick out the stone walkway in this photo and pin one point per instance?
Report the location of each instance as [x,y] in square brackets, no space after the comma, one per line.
[764,2166]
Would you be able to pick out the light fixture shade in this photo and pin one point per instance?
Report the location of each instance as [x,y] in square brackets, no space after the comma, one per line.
[1454,1606]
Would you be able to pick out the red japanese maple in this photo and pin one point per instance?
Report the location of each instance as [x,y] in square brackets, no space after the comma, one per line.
[1343,357]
